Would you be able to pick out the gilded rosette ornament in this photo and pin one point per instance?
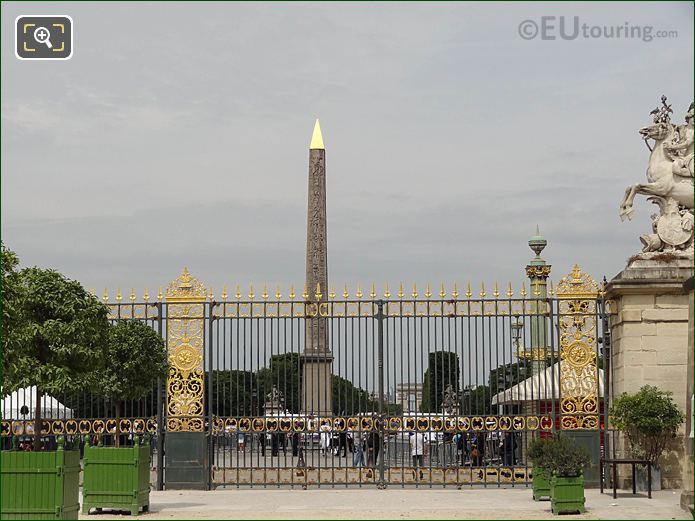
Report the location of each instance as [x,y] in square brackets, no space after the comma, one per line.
[579,400]
[185,299]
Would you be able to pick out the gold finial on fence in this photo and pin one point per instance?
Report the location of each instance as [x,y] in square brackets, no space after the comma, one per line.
[428,293]
[211,295]
[346,294]
[602,291]
[237,293]
[160,295]
[146,296]
[401,292]
[105,296]
[387,293]
[482,290]
[278,295]
[551,289]
[331,293]
[372,293]
[224,292]
[305,293]
[251,294]
[537,289]
[496,292]
[510,293]
[523,290]
[455,293]
[265,295]
[132,294]
[469,294]
[414,293]
[442,293]
[292,295]
[359,292]
[91,292]
[318,293]
[119,297]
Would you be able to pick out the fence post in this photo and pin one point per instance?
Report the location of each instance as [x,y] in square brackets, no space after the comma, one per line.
[381,484]
[160,409]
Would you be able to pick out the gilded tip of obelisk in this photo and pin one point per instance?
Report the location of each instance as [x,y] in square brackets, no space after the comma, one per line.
[316,137]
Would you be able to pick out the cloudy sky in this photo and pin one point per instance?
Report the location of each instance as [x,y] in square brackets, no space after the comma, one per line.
[178,135]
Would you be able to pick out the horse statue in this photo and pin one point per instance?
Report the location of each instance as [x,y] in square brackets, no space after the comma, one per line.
[670,176]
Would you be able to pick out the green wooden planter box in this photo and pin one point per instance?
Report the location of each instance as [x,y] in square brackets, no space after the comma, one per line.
[117,478]
[40,485]
[541,484]
[567,495]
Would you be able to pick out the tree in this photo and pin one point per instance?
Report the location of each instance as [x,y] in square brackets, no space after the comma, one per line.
[285,374]
[443,370]
[11,291]
[55,338]
[134,356]
[232,392]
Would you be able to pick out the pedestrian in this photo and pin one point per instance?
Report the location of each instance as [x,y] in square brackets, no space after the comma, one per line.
[358,457]
[372,448]
[295,444]
[417,450]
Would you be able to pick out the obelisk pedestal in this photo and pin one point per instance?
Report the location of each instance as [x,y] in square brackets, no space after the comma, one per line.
[316,359]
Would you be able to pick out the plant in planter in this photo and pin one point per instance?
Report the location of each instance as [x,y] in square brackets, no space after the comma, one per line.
[118,477]
[53,342]
[650,420]
[565,460]
[538,453]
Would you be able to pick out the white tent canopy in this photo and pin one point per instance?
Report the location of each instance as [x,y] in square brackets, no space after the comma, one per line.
[50,407]
[543,386]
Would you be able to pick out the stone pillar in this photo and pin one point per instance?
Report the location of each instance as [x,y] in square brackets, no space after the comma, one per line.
[687,494]
[649,340]
[317,359]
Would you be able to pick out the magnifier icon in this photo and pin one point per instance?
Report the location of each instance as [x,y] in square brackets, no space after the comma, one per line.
[43,35]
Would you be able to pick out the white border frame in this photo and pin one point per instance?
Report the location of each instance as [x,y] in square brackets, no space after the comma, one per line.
[72,37]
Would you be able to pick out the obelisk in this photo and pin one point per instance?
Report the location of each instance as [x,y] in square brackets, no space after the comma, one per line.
[317,358]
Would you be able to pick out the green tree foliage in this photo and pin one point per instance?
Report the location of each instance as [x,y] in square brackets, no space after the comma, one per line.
[134,356]
[11,302]
[479,400]
[283,372]
[232,392]
[650,419]
[55,338]
[443,370]
[348,399]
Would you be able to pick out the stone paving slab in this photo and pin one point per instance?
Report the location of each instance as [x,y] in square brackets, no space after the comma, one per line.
[394,503]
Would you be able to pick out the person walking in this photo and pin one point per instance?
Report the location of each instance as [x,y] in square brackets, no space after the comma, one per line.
[358,456]
[417,450]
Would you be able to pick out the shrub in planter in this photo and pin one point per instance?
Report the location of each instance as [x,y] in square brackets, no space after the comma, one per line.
[135,356]
[565,460]
[53,333]
[538,453]
[117,478]
[650,420]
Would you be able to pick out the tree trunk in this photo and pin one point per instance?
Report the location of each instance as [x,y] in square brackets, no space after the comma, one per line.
[117,441]
[37,420]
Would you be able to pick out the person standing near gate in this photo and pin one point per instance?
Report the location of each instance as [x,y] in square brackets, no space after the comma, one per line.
[417,450]
[372,448]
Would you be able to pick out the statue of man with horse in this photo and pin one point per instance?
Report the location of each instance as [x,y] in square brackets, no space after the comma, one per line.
[670,183]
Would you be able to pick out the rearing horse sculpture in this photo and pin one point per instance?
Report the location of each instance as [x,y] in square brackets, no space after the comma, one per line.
[662,181]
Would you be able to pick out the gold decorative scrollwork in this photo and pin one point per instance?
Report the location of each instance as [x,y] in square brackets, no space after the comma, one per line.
[577,294]
[186,298]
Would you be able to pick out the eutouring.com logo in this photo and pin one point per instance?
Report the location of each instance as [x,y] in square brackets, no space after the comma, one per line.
[572,28]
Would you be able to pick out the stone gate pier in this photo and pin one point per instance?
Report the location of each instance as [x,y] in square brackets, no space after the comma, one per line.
[649,341]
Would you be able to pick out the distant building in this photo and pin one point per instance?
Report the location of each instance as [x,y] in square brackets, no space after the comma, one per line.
[409,397]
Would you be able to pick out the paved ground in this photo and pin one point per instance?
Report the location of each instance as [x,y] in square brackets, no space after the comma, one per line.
[394,503]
